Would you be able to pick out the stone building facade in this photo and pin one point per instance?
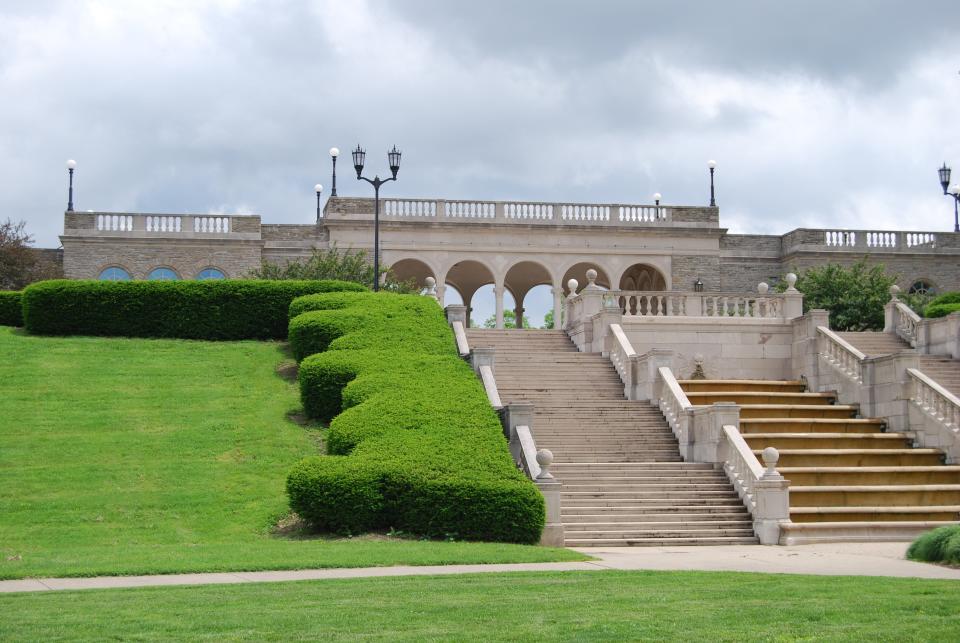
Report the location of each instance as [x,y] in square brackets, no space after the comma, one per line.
[515,246]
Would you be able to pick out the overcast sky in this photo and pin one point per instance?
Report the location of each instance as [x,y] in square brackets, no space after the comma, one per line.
[818,113]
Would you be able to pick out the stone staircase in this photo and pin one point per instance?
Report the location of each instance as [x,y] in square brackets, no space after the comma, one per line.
[624,483]
[850,479]
[872,343]
[944,370]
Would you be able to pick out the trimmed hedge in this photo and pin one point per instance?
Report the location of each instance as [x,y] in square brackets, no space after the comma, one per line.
[211,310]
[942,545]
[940,310]
[11,314]
[946,298]
[413,443]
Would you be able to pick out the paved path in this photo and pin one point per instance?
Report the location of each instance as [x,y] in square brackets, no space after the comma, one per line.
[850,559]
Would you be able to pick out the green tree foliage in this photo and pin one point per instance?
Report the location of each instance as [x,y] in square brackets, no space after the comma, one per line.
[333,263]
[548,320]
[855,296]
[509,320]
[19,263]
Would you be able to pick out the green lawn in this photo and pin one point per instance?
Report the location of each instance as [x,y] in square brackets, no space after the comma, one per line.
[614,606]
[130,456]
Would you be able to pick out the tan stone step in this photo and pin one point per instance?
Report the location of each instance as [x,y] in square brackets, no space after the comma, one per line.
[659,541]
[792,441]
[851,496]
[760,397]
[808,476]
[885,513]
[798,533]
[857,457]
[750,411]
[811,425]
[784,386]
[719,517]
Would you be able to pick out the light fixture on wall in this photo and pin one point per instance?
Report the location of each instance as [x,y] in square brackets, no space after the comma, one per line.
[71,166]
[713,166]
[698,285]
[318,189]
[950,190]
[334,153]
[393,159]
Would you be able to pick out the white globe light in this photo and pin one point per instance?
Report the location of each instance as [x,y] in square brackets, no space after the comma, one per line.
[318,188]
[334,152]
[955,188]
[71,164]
[657,196]
[711,164]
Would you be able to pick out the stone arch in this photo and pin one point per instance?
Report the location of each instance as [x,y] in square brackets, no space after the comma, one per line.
[521,278]
[467,277]
[579,270]
[411,269]
[644,277]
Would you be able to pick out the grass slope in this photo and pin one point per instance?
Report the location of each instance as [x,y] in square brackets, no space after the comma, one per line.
[615,606]
[130,456]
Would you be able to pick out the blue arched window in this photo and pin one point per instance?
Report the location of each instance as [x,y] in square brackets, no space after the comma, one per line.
[114,274]
[162,274]
[211,273]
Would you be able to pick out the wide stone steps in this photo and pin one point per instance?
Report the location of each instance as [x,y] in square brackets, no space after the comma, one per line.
[624,482]
[849,478]
[776,386]
[872,343]
[943,370]
[760,397]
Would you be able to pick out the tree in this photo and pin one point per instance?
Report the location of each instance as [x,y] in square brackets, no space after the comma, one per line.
[548,320]
[333,263]
[509,320]
[855,296]
[20,264]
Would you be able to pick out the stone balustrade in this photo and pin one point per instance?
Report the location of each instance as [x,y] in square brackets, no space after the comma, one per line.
[936,402]
[763,490]
[841,355]
[185,225]
[937,336]
[806,239]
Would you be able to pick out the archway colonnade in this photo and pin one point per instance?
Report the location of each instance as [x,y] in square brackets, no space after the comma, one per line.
[519,277]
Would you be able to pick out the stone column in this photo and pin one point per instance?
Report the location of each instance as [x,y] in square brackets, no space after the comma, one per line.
[557,292]
[498,295]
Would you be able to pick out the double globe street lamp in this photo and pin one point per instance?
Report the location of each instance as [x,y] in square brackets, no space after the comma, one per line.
[950,190]
[393,159]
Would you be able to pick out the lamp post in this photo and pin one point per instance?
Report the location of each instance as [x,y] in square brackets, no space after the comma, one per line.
[951,190]
[318,189]
[71,166]
[712,165]
[393,159]
[656,202]
[334,153]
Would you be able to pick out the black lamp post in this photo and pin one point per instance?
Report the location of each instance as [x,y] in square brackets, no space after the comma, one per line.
[334,153]
[318,189]
[712,165]
[393,158]
[71,166]
[951,190]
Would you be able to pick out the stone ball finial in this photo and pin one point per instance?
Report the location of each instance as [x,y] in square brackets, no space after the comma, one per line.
[430,281]
[770,458]
[544,459]
[791,281]
[572,286]
[763,287]
[894,291]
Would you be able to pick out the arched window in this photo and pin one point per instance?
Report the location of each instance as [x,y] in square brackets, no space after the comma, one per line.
[162,274]
[922,287]
[210,273]
[114,273]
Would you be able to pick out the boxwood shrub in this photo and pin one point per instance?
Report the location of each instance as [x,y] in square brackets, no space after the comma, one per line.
[940,310]
[413,443]
[212,310]
[942,545]
[10,311]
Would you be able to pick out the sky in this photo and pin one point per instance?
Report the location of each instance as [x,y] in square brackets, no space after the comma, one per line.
[818,113]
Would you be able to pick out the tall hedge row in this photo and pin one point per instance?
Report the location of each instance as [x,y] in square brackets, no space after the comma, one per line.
[212,310]
[10,311]
[413,443]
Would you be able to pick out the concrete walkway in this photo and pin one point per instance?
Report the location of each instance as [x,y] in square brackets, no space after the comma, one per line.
[848,559]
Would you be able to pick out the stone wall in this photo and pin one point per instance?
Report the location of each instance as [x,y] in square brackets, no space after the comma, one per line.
[942,269]
[688,268]
[86,258]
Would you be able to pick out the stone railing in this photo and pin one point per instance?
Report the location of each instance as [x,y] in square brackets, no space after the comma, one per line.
[937,336]
[841,355]
[806,239]
[674,405]
[764,491]
[936,402]
[188,225]
[622,355]
[528,211]
[698,304]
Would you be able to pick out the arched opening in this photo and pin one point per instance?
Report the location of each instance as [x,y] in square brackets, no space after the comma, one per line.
[643,277]
[520,280]
[452,296]
[467,277]
[484,308]
[163,274]
[410,270]
[210,273]
[114,273]
[579,272]
[538,307]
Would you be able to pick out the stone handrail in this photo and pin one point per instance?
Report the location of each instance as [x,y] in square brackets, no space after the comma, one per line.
[674,404]
[936,402]
[621,354]
[699,304]
[861,240]
[741,465]
[528,452]
[611,214]
[490,386]
[841,355]
[764,492]
[184,224]
[460,334]
[906,322]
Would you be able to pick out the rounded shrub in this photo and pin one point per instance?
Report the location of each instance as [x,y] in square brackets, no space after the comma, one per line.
[11,313]
[336,494]
[946,298]
[942,545]
[940,310]
[211,310]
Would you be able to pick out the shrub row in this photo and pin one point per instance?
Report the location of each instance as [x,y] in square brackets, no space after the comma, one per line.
[212,310]
[413,443]
[940,310]
[10,311]
[942,545]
